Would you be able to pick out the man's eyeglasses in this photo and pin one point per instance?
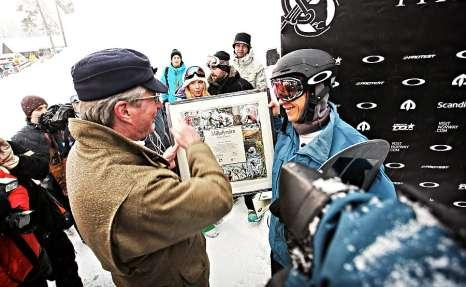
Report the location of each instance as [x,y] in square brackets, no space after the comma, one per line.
[156,98]
[192,71]
[287,89]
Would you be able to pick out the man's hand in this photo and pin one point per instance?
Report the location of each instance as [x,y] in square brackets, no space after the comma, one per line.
[275,107]
[7,157]
[170,154]
[185,135]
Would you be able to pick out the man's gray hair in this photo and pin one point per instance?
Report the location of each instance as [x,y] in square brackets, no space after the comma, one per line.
[101,111]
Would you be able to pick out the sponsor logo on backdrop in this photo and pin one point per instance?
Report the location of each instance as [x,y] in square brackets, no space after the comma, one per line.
[429,184]
[413,82]
[441,147]
[429,166]
[366,106]
[444,127]
[462,186]
[408,105]
[403,127]
[418,57]
[398,146]
[376,83]
[459,203]
[461,54]
[309,18]
[401,3]
[363,126]
[443,105]
[373,59]
[459,81]
[394,165]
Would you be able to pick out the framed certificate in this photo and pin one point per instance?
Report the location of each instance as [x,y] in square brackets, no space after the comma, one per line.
[237,128]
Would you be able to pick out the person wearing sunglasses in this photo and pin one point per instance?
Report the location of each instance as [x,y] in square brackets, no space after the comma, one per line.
[194,85]
[245,64]
[309,131]
[139,218]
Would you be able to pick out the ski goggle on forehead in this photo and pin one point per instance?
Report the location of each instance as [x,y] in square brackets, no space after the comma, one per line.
[288,89]
[192,71]
[214,61]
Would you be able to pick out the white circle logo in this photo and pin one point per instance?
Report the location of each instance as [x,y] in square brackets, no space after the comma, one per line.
[429,184]
[413,82]
[440,147]
[394,165]
[366,105]
[319,77]
[461,54]
[373,59]
[459,203]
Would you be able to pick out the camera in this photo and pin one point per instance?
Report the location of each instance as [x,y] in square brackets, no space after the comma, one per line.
[56,117]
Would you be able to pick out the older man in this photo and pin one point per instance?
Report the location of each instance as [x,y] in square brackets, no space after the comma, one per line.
[142,222]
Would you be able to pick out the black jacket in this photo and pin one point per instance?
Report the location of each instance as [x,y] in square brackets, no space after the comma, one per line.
[232,83]
[31,137]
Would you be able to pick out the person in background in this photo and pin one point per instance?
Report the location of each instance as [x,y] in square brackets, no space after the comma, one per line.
[195,84]
[310,131]
[172,76]
[139,218]
[245,63]
[223,79]
[51,147]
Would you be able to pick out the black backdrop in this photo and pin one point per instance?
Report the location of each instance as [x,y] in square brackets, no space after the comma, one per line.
[402,78]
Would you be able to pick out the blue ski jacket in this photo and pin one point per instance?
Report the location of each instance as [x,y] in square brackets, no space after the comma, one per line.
[334,137]
[364,241]
[174,79]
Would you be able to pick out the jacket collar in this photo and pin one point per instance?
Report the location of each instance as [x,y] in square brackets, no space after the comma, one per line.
[319,147]
[246,60]
[108,138]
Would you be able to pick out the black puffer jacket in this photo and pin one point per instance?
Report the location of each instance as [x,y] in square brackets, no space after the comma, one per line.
[31,137]
[232,83]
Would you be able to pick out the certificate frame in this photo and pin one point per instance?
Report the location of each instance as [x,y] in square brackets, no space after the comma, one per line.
[238,129]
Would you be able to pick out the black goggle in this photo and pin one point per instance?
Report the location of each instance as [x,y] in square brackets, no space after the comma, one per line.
[192,71]
[287,89]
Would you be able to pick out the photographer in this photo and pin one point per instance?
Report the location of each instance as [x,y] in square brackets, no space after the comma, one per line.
[46,133]
[48,138]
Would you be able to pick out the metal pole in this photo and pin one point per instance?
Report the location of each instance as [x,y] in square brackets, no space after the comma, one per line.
[47,29]
[61,24]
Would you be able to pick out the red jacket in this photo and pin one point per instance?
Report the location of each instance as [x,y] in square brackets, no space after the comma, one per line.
[14,265]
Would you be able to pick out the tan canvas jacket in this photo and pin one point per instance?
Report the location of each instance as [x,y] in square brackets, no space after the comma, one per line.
[142,222]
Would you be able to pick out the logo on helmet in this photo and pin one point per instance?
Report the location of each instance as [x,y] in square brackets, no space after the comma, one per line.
[309,18]
[319,77]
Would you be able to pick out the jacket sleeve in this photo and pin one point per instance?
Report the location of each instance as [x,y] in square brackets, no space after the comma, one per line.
[173,210]
[382,186]
[30,165]
[261,82]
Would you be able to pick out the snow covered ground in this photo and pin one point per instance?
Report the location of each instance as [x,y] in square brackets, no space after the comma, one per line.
[239,256]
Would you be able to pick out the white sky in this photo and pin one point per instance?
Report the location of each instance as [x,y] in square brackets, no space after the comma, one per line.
[196,28]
